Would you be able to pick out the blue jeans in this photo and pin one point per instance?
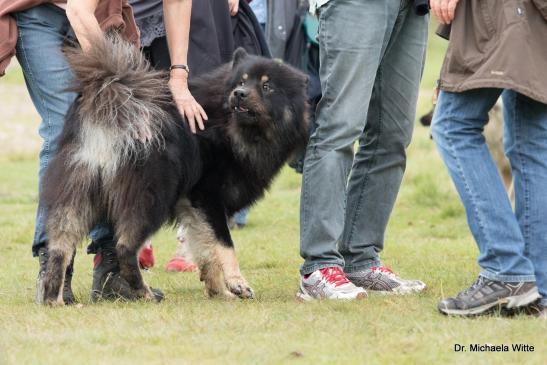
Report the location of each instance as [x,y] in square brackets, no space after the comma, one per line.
[42,32]
[512,244]
[371,61]
[240,217]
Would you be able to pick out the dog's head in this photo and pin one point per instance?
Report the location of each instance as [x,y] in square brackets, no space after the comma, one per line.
[268,97]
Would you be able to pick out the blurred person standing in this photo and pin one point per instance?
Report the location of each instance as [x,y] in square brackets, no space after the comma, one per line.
[497,48]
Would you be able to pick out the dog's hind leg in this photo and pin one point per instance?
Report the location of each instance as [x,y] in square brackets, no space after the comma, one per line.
[212,249]
[66,227]
[132,232]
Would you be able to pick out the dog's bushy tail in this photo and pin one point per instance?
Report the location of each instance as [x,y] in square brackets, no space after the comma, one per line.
[119,89]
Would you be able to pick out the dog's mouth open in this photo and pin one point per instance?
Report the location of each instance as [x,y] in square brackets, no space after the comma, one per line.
[239,106]
[241,109]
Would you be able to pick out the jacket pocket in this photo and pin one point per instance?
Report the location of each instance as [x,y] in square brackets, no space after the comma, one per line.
[514,11]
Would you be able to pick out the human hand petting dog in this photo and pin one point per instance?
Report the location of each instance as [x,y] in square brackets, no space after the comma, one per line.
[444,10]
[186,104]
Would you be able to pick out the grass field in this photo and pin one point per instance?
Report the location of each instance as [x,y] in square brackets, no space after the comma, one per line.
[427,238]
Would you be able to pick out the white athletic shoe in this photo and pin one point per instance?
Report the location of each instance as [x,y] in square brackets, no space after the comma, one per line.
[328,283]
[383,280]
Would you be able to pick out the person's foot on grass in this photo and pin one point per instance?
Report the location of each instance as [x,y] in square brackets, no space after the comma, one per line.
[107,282]
[180,264]
[485,295]
[328,283]
[146,256]
[68,296]
[382,280]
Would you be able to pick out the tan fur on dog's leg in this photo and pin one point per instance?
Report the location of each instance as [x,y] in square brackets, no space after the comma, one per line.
[232,275]
[202,243]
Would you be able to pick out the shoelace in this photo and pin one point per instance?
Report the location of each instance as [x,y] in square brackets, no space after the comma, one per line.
[473,287]
[334,275]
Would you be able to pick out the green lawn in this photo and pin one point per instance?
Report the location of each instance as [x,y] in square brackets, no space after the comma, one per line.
[427,238]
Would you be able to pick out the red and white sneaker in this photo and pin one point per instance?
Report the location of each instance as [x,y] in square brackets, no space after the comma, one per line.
[180,264]
[182,260]
[146,256]
[328,283]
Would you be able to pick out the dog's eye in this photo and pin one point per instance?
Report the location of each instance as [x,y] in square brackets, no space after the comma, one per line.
[266,86]
[242,83]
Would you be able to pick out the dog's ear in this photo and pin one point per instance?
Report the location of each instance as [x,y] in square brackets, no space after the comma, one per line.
[239,55]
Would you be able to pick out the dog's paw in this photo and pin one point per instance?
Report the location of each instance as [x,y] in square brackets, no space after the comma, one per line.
[149,294]
[239,287]
[53,302]
[219,293]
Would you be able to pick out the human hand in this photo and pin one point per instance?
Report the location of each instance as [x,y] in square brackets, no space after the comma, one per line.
[444,10]
[233,5]
[186,104]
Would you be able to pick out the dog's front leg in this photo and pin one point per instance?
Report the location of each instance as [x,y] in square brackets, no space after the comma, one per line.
[235,282]
[212,248]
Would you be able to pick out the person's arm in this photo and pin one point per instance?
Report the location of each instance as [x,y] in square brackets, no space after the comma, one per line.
[81,15]
[176,15]
[444,10]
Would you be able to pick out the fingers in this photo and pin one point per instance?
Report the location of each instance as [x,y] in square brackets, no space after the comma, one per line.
[198,118]
[452,10]
[202,112]
[194,114]
[436,9]
[188,106]
[444,10]
[190,119]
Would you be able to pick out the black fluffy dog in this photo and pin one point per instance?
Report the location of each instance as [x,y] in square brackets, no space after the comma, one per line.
[126,154]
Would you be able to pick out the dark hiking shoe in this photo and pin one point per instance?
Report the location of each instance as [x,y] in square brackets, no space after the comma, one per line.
[68,296]
[485,295]
[107,282]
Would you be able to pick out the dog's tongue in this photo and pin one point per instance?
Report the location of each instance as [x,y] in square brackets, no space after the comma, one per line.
[240,108]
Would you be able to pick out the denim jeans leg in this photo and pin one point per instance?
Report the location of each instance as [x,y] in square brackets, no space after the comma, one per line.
[526,147]
[349,61]
[42,31]
[380,162]
[457,128]
[240,217]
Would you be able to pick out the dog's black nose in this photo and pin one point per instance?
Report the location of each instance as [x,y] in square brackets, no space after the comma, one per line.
[241,93]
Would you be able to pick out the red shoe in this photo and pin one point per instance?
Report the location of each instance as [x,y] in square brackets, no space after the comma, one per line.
[146,257]
[180,264]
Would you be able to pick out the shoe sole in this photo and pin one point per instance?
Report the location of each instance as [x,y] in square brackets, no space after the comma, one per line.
[303,297]
[507,302]
[408,291]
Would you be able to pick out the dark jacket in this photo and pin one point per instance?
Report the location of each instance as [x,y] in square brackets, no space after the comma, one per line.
[282,21]
[248,32]
[498,44]
[214,35]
